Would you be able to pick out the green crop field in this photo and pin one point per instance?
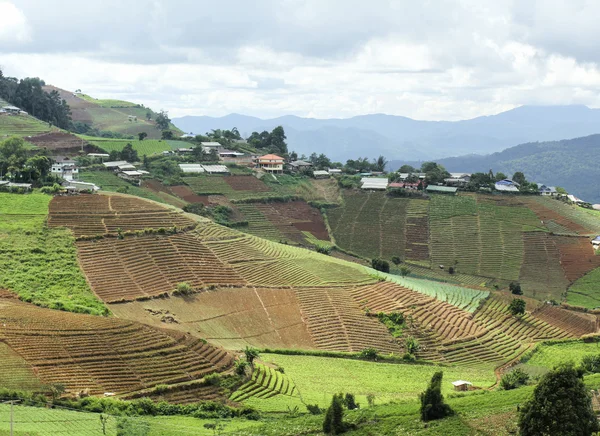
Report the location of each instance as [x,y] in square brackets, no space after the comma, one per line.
[549,355]
[583,217]
[585,292]
[318,378]
[145,147]
[37,263]
[22,126]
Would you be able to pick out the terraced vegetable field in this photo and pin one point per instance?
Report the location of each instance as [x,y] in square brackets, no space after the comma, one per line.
[21,126]
[147,147]
[233,187]
[375,225]
[573,217]
[577,256]
[90,215]
[265,383]
[103,354]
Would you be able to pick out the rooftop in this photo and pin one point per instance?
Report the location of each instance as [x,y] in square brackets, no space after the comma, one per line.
[270,157]
[434,188]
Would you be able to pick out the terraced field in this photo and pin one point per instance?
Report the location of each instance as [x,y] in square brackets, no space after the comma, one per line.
[375,225]
[265,383]
[22,125]
[90,215]
[103,354]
[585,292]
[147,147]
[569,216]
[577,256]
[233,187]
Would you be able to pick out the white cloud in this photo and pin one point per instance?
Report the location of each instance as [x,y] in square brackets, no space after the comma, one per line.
[13,24]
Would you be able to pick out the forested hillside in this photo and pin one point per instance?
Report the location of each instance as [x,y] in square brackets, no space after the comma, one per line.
[570,163]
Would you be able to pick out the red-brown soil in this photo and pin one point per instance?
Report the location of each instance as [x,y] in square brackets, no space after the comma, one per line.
[103,354]
[61,143]
[576,323]
[546,215]
[577,256]
[230,317]
[184,192]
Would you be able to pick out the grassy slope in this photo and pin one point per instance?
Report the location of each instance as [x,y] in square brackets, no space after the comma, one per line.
[318,378]
[38,263]
[146,147]
[585,292]
[21,126]
[548,356]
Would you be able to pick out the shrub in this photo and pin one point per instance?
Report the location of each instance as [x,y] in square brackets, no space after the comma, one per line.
[380,265]
[213,379]
[517,307]
[404,271]
[591,363]
[314,409]
[251,354]
[323,249]
[515,288]
[132,427]
[350,402]
[371,399]
[514,379]
[123,189]
[161,389]
[240,367]
[411,345]
[196,208]
[334,417]
[409,357]
[183,288]
[393,321]
[451,270]
[369,354]
[396,260]
[432,400]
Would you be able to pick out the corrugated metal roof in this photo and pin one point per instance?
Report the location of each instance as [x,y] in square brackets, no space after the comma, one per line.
[191,168]
[435,188]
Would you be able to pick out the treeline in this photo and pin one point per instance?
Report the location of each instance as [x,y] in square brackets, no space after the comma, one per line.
[19,166]
[28,95]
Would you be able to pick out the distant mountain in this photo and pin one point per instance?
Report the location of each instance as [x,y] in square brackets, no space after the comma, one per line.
[573,164]
[403,138]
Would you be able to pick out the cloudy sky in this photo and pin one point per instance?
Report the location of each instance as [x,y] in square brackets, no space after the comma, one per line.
[428,59]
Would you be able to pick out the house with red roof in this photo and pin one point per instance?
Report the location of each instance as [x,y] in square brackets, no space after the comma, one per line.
[270,163]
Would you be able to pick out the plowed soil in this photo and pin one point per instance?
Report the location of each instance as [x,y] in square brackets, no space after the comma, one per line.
[61,142]
[246,183]
[184,192]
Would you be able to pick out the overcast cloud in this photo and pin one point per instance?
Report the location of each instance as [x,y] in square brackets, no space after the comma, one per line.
[324,58]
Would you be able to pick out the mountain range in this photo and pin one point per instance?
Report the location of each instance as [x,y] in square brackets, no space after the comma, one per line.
[402,138]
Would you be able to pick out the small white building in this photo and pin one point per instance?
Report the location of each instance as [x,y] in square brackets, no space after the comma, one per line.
[100,155]
[66,169]
[320,174]
[191,168]
[334,171]
[462,385]
[208,146]
[76,185]
[374,183]
[132,175]
[13,110]
[114,164]
[547,190]
[126,167]
[216,169]
[507,185]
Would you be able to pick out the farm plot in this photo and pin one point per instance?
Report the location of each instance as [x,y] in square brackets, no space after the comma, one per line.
[37,263]
[59,142]
[246,183]
[230,317]
[110,182]
[265,383]
[90,215]
[585,292]
[548,356]
[145,266]
[16,373]
[184,192]
[371,225]
[575,323]
[164,193]
[146,147]
[283,221]
[318,378]
[337,323]
[577,256]
[103,354]
[417,230]
[575,214]
[541,273]
[21,126]
[562,217]
[231,187]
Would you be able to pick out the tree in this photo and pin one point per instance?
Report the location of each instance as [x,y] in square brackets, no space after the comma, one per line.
[277,139]
[142,136]
[514,379]
[167,134]
[407,169]
[334,417]
[380,265]
[13,156]
[432,400]
[517,307]
[380,163]
[515,288]
[251,354]
[404,271]
[434,173]
[396,260]
[148,115]
[162,120]
[129,154]
[560,405]
[562,191]
[499,176]
[519,177]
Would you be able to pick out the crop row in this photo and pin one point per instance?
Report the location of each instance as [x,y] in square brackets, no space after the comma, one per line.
[265,383]
[570,216]
[149,265]
[82,353]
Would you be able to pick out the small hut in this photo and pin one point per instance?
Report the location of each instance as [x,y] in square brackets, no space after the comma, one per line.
[461,385]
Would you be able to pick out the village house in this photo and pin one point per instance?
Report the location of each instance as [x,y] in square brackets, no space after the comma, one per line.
[77,186]
[547,190]
[11,110]
[134,175]
[458,179]
[299,166]
[334,171]
[270,163]
[405,185]
[320,174]
[596,243]
[507,185]
[442,189]
[64,167]
[462,385]
[374,183]
[208,146]
[114,165]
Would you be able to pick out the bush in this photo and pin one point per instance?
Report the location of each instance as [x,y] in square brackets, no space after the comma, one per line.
[517,307]
[369,354]
[451,270]
[350,402]
[251,354]
[380,265]
[183,288]
[591,363]
[515,288]
[411,345]
[333,423]
[240,367]
[514,379]
[432,400]
[313,409]
[196,208]
[404,271]
[396,260]
[213,379]
[132,427]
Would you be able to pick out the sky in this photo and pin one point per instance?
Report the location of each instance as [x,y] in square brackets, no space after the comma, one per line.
[430,60]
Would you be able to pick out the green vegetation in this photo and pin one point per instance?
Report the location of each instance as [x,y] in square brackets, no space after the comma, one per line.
[146,147]
[585,292]
[432,401]
[108,181]
[40,264]
[548,356]
[561,405]
[21,125]
[318,378]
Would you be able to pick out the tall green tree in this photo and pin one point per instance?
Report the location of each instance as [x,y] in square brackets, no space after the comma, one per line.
[129,154]
[561,405]
[380,163]
[519,177]
[162,120]
[334,417]
[432,400]
[13,156]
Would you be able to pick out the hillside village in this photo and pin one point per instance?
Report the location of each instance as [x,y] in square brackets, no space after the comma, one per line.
[158,276]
